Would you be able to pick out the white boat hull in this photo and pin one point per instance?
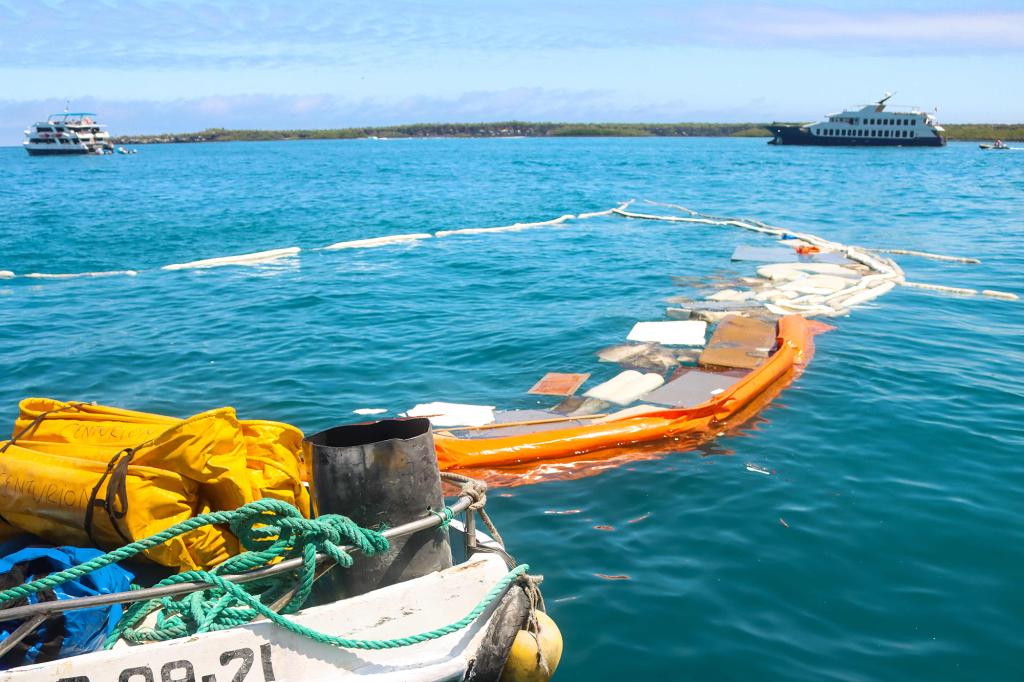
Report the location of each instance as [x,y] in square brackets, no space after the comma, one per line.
[265,652]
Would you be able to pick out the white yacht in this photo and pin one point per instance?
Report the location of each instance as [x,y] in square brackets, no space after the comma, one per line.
[68,133]
[871,125]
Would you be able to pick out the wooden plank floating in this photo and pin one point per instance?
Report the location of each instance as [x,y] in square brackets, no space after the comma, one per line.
[739,343]
[557,383]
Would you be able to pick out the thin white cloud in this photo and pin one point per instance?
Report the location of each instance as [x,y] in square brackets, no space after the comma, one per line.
[254,33]
[889,29]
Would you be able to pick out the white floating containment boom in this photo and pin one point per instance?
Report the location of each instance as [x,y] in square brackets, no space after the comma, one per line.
[378,241]
[245,259]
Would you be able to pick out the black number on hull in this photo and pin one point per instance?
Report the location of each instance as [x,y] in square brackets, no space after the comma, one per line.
[268,666]
[168,668]
[142,671]
[247,658]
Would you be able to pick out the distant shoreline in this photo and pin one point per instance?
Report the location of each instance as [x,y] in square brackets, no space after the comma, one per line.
[955,131]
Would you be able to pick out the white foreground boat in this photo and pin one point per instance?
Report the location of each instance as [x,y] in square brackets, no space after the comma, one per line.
[264,652]
[467,622]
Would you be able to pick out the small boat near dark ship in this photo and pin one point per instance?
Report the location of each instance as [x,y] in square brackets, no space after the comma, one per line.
[871,125]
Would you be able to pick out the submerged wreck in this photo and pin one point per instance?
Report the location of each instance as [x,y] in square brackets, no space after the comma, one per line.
[714,362]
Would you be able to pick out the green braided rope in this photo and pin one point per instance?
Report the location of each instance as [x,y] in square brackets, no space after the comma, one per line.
[171,630]
[270,531]
[445,516]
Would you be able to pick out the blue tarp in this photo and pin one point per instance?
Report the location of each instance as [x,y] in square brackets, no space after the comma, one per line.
[71,632]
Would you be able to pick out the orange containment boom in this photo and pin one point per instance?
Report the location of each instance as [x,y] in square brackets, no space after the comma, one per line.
[794,349]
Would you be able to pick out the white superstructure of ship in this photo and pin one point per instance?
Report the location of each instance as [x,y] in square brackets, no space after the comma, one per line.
[68,133]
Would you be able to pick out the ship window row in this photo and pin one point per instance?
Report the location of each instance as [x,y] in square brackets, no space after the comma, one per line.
[846,132]
[876,121]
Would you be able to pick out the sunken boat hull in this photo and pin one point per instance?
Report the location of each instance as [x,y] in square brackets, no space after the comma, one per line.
[794,347]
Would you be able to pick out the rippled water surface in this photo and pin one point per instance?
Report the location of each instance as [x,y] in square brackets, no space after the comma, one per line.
[887,544]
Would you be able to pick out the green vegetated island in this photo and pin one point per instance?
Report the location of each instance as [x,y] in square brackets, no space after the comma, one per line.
[955,131]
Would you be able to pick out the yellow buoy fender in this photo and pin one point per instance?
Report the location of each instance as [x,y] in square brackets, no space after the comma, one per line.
[524,664]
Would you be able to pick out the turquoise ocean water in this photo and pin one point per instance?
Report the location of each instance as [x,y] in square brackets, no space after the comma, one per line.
[888,544]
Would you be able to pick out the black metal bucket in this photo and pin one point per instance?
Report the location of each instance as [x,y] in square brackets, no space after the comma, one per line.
[379,473]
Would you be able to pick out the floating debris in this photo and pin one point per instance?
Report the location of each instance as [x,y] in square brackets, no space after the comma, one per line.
[369,410]
[626,387]
[731,295]
[453,414]
[674,333]
[739,343]
[520,422]
[687,355]
[621,352]
[648,356]
[817,284]
[758,469]
[570,404]
[691,388]
[556,383]
[586,407]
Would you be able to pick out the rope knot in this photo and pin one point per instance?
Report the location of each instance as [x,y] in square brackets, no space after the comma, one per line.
[477,490]
[270,531]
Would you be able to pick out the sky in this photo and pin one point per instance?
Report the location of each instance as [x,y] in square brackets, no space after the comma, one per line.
[151,66]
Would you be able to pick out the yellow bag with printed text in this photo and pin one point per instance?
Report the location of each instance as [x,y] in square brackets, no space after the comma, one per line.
[273,450]
[168,470]
[75,500]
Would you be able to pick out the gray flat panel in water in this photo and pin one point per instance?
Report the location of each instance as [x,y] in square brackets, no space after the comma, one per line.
[690,389]
[515,416]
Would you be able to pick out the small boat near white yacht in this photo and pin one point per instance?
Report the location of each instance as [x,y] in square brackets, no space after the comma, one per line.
[68,133]
[871,125]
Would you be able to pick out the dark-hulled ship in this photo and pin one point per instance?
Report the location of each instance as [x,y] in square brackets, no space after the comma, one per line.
[871,125]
